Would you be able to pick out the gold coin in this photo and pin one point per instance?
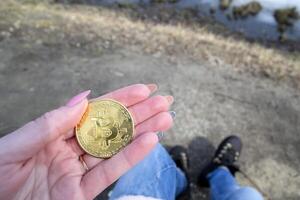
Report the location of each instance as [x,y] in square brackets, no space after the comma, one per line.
[105,128]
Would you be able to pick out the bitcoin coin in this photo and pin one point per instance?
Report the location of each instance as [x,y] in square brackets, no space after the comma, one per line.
[105,128]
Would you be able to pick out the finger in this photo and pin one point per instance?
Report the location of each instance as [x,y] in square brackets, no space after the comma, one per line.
[132,94]
[150,107]
[160,122]
[36,134]
[108,171]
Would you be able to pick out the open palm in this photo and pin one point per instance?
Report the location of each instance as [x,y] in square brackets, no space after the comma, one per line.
[41,159]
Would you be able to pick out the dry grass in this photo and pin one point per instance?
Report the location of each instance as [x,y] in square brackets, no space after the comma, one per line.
[102,28]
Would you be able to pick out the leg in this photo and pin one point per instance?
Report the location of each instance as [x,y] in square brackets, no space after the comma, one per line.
[156,176]
[224,187]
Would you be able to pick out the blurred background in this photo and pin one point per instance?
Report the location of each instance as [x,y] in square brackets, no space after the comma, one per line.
[233,67]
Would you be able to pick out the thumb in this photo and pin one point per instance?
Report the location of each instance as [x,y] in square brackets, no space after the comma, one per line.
[25,142]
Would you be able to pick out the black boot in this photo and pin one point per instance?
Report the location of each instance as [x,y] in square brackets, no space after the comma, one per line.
[179,154]
[227,155]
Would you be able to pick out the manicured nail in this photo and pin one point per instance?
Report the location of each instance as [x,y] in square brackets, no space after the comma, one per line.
[160,135]
[170,99]
[152,87]
[78,98]
[173,114]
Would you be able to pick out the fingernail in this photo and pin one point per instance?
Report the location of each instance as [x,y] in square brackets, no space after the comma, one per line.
[170,99]
[152,87]
[173,114]
[78,98]
[160,135]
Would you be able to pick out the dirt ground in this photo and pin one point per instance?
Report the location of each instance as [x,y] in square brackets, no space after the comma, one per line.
[212,100]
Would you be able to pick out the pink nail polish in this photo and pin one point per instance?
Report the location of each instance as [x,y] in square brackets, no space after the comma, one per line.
[152,87]
[78,98]
[170,99]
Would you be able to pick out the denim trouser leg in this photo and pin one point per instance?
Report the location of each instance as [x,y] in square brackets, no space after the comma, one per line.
[224,187]
[156,176]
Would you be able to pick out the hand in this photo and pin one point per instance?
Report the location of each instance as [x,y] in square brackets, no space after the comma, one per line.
[41,159]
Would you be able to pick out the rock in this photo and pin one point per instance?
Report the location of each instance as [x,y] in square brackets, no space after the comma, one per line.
[224,4]
[285,18]
[249,9]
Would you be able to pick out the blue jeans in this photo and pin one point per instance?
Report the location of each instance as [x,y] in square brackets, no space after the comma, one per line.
[223,186]
[158,177]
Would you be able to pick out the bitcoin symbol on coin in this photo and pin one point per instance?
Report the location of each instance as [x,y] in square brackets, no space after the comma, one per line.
[105,128]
